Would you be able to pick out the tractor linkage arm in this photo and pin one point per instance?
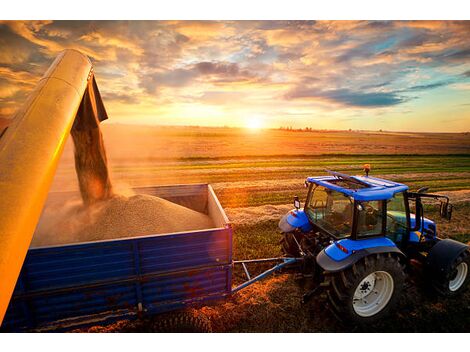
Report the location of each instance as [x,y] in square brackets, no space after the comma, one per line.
[283,262]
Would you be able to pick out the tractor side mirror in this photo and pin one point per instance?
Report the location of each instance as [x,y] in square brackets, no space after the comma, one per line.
[446,210]
[450,208]
[296,203]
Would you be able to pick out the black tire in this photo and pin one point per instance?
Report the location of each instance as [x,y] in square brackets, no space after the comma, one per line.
[342,286]
[441,285]
[289,246]
[189,321]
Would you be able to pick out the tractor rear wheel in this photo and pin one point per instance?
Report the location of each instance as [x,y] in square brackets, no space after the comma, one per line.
[188,321]
[456,279]
[366,291]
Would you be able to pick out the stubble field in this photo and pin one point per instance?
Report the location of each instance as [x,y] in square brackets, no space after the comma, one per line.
[256,174]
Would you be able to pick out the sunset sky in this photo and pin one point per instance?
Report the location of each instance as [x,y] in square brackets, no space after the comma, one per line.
[402,76]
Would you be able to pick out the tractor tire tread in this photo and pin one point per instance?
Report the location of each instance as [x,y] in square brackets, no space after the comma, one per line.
[441,286]
[341,290]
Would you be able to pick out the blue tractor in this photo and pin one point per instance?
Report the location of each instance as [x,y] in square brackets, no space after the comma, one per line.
[358,236]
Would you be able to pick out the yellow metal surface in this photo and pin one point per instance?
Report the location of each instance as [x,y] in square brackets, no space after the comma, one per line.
[29,153]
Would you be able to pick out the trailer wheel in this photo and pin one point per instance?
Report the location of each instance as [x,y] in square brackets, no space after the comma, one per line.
[190,321]
[367,291]
[456,279]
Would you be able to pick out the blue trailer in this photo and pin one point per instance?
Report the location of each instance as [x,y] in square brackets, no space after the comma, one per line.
[94,283]
[83,284]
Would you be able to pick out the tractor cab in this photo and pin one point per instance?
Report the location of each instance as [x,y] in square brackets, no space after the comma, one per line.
[356,207]
[359,207]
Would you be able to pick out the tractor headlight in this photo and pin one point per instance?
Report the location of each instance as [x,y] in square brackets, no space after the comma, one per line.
[284,226]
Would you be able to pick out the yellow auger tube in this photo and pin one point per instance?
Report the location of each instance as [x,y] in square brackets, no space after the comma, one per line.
[29,153]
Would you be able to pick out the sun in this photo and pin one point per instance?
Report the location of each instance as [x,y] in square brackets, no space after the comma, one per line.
[254,123]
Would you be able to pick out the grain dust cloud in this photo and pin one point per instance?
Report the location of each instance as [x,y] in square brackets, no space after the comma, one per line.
[102,212]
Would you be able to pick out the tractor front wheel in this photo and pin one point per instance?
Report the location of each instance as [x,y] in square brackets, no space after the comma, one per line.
[455,281]
[368,290]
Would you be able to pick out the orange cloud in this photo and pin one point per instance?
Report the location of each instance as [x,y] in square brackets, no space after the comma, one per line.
[237,68]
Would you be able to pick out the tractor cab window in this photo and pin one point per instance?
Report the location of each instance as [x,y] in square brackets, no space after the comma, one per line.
[331,211]
[369,218]
[396,218]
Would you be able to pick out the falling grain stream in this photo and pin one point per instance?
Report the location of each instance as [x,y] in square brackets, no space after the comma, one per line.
[101,213]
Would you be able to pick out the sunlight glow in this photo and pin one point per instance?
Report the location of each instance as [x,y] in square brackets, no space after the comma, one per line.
[254,123]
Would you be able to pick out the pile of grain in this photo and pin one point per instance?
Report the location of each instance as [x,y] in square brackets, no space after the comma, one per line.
[101,213]
[117,217]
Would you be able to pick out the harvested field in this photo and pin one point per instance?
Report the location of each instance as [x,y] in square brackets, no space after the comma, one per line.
[255,176]
[139,143]
[253,215]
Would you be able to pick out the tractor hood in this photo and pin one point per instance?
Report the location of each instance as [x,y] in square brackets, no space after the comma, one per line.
[429,225]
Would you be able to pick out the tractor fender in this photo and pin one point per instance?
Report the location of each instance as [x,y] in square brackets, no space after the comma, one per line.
[442,255]
[295,219]
[330,263]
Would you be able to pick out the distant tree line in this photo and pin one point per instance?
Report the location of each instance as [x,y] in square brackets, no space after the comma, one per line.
[311,129]
[290,128]
[305,129]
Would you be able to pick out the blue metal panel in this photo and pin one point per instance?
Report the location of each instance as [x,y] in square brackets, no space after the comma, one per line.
[335,253]
[83,302]
[72,265]
[185,287]
[175,252]
[428,225]
[298,219]
[193,196]
[15,316]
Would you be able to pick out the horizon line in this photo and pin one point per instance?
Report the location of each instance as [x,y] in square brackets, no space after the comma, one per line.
[303,129]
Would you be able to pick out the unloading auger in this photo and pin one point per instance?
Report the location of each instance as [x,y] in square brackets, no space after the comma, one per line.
[66,99]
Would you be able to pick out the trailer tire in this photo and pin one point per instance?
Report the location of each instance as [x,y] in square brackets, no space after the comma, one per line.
[190,321]
[353,304]
[456,280]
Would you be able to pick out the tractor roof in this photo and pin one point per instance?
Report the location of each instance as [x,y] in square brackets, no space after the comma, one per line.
[361,188]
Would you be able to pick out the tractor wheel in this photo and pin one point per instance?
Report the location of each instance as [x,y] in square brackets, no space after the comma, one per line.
[289,246]
[456,280]
[182,322]
[368,290]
